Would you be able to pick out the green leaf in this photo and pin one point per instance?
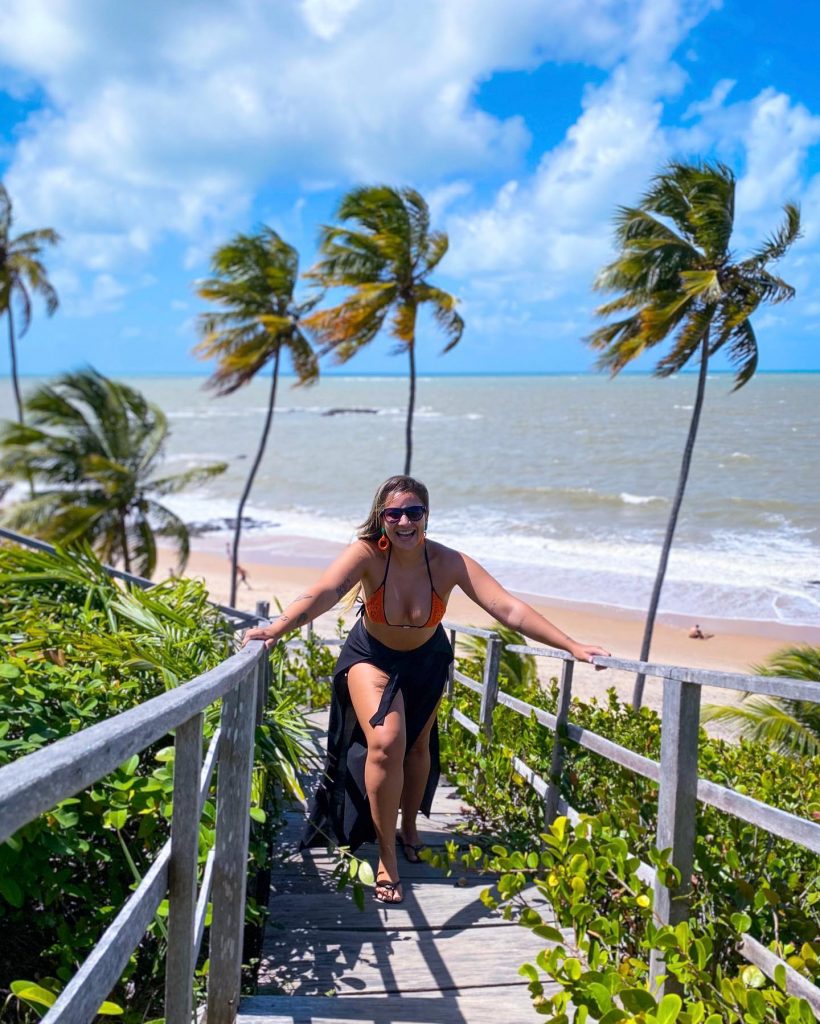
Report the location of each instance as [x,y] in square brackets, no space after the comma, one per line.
[365,873]
[753,977]
[741,922]
[33,994]
[11,891]
[528,971]
[258,815]
[637,1000]
[8,671]
[108,1009]
[669,1008]
[545,931]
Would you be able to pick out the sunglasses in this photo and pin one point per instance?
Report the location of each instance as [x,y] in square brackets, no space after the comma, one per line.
[413,512]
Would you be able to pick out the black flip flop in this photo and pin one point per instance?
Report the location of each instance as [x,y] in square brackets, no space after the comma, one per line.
[392,887]
[415,859]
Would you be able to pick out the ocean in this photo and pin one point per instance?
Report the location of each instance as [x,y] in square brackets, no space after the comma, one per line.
[559,485]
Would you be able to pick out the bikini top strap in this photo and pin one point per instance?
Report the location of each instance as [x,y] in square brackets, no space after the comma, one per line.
[386,568]
[427,563]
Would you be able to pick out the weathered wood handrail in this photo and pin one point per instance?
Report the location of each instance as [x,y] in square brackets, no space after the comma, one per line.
[680,788]
[39,781]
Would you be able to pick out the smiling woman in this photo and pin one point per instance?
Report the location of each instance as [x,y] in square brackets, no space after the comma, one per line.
[382,753]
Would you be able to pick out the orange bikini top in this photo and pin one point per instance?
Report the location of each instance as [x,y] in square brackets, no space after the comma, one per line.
[374,605]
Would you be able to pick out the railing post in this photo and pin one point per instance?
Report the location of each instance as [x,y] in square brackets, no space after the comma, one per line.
[262,609]
[182,872]
[558,748]
[231,847]
[451,679]
[677,805]
[489,698]
[309,690]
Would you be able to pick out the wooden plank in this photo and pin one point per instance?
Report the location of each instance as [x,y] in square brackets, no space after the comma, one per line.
[231,850]
[91,985]
[466,722]
[780,823]
[467,681]
[489,1005]
[530,777]
[35,783]
[436,905]
[525,709]
[614,752]
[546,652]
[489,691]
[796,984]
[180,959]
[677,804]
[390,961]
[487,634]
[558,751]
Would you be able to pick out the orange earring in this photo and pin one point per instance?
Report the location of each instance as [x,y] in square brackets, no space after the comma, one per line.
[383,543]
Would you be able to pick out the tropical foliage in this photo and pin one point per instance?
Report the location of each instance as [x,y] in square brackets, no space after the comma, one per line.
[676,277]
[787,726]
[94,448]
[22,274]
[77,648]
[254,277]
[384,252]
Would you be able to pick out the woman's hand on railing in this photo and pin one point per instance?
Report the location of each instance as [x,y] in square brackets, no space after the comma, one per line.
[586,652]
[260,633]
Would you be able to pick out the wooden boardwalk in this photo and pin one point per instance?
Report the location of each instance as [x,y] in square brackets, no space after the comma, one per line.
[440,957]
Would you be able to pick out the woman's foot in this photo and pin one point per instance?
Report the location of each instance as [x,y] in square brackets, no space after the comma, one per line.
[410,850]
[387,891]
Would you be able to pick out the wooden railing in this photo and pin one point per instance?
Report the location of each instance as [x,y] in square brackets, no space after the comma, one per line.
[36,783]
[679,786]
[39,781]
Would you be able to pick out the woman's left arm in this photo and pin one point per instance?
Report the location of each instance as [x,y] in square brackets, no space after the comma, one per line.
[488,594]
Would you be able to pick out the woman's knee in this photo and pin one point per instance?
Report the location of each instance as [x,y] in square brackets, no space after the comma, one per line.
[386,746]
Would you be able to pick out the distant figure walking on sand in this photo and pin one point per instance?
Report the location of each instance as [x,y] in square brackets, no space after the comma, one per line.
[241,574]
[382,750]
[696,633]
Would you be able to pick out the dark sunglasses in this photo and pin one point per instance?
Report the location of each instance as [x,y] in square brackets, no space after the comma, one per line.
[413,512]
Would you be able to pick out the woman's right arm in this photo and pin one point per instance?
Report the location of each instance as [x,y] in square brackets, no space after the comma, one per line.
[340,577]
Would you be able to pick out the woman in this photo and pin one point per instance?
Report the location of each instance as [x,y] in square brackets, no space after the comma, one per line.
[390,676]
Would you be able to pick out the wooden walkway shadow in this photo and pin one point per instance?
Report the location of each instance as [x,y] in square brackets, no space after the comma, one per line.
[440,957]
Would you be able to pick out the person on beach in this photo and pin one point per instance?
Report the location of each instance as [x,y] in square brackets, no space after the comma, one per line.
[696,633]
[382,753]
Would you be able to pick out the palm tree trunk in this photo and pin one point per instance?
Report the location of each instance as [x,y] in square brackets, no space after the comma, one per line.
[408,451]
[637,692]
[126,558]
[251,476]
[13,353]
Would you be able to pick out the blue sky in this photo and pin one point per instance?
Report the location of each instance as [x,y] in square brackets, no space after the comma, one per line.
[147,134]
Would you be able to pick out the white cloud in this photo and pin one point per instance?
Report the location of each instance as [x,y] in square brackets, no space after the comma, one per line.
[170,117]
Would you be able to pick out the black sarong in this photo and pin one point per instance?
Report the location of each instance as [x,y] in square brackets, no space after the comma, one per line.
[340,811]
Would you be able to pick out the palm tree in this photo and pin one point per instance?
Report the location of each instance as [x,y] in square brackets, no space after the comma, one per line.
[21,273]
[94,444]
[788,726]
[386,261]
[677,277]
[253,283]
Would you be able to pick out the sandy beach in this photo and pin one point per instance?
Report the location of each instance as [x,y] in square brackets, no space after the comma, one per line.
[735,646]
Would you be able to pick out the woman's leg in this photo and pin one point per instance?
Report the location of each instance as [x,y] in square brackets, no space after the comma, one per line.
[416,773]
[383,773]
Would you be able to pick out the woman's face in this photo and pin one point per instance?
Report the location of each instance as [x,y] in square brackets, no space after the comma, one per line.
[404,533]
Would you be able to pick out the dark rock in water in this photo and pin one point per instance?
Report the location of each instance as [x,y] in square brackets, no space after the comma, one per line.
[814,583]
[355,408]
[196,529]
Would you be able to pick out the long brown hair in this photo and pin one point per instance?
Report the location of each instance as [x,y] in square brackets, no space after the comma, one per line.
[371,528]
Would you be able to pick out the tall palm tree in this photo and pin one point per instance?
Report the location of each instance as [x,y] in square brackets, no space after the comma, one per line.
[253,283]
[21,274]
[386,259]
[788,726]
[677,277]
[94,445]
